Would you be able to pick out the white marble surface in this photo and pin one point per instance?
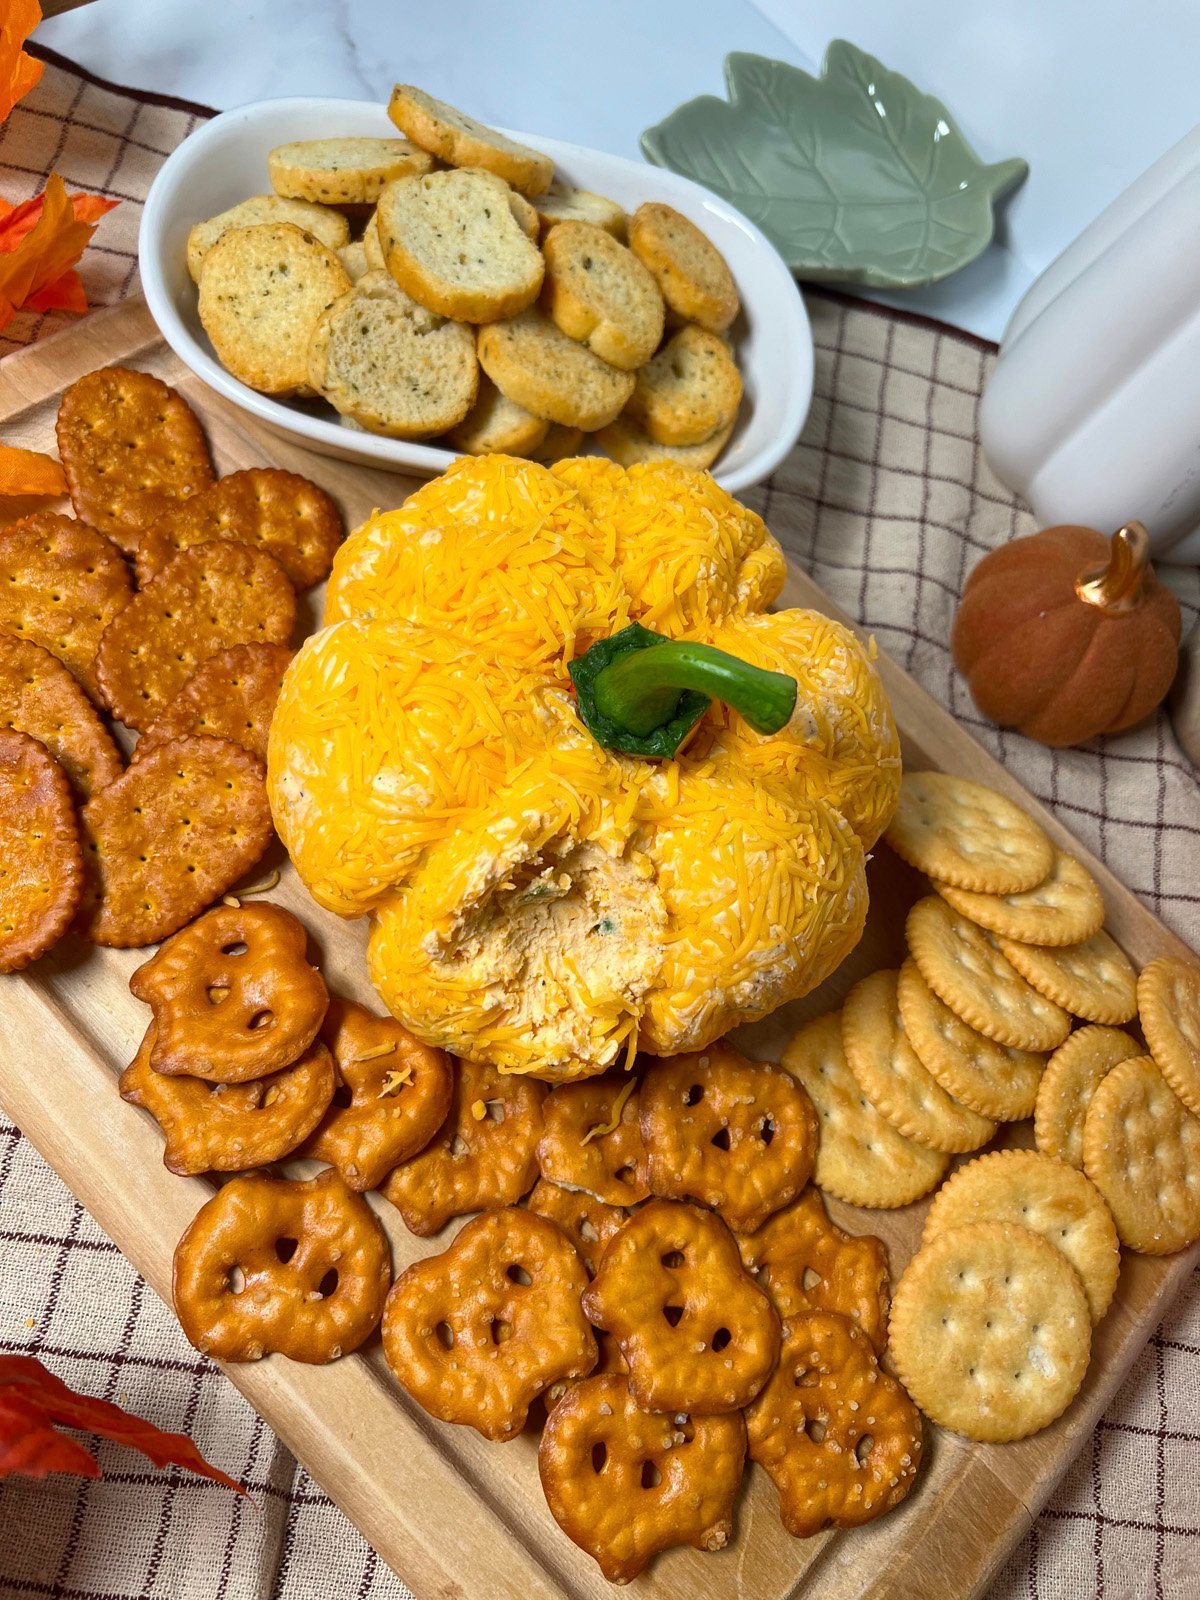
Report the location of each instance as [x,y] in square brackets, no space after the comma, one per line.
[1089,91]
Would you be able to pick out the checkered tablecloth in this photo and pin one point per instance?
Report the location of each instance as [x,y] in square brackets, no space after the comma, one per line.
[886,501]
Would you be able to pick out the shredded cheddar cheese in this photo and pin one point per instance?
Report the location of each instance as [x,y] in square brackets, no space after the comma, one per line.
[614,1120]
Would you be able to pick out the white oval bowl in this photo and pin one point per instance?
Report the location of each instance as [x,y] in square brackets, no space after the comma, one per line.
[226,160]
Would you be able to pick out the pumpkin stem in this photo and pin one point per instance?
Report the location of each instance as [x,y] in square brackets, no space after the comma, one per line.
[642,694]
[1117,586]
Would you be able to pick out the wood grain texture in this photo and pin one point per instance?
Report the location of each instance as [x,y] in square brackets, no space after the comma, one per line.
[454,1515]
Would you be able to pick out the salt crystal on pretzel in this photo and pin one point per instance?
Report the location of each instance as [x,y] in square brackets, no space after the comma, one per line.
[588,1223]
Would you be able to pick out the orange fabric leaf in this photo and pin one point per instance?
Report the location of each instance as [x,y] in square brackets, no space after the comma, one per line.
[33,1403]
[42,240]
[18,72]
[64,294]
[29,472]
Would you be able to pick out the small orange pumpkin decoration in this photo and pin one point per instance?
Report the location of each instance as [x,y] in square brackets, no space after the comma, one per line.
[1066,634]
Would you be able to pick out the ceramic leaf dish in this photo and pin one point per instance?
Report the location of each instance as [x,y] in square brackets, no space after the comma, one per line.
[855,176]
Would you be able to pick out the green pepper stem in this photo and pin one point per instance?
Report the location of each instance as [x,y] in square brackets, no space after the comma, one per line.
[641,690]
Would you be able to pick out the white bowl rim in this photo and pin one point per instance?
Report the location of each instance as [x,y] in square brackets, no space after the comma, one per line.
[412,455]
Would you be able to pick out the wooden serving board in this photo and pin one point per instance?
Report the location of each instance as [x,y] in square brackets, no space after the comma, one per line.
[454,1515]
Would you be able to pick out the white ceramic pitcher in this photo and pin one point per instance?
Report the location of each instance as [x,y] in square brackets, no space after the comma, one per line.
[1093,411]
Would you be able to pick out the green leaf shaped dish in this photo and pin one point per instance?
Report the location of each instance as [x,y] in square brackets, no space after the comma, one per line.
[855,176]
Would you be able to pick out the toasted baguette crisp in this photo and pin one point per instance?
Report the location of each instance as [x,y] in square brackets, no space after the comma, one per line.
[695,281]
[598,292]
[343,172]
[559,443]
[463,142]
[372,246]
[329,226]
[262,292]
[497,425]
[562,203]
[390,364]
[450,240]
[533,362]
[353,257]
[688,391]
[625,442]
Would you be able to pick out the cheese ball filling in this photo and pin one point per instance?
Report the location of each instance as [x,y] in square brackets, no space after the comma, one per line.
[534,950]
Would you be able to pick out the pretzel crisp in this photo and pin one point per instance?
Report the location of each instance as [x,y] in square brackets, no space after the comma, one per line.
[209,598]
[233,995]
[586,1221]
[38,696]
[737,1135]
[392,1097]
[285,515]
[130,447]
[592,1139]
[232,696]
[839,1437]
[213,1127]
[168,837]
[41,875]
[698,1333]
[806,1263]
[624,1483]
[61,584]
[477,1333]
[484,1154]
[279,1266]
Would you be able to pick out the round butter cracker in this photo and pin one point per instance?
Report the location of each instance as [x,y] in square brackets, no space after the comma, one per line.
[893,1077]
[1141,1148]
[1168,998]
[995,1080]
[1073,1074]
[990,1331]
[1093,979]
[966,969]
[1035,1191]
[861,1158]
[1064,908]
[966,835]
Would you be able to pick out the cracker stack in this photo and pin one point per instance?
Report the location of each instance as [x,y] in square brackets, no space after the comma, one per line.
[991,1321]
[485,301]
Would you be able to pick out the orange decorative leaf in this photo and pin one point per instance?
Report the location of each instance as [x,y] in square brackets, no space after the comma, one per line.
[33,1401]
[64,294]
[18,72]
[29,472]
[41,240]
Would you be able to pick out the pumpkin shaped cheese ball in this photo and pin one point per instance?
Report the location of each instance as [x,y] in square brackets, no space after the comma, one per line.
[591,795]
